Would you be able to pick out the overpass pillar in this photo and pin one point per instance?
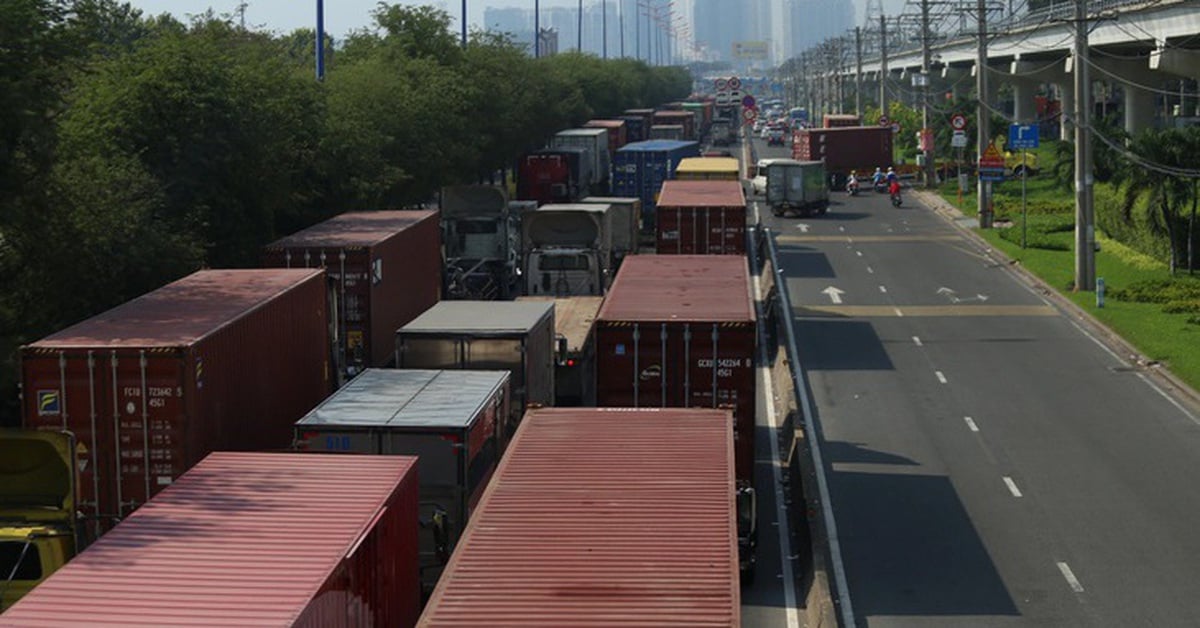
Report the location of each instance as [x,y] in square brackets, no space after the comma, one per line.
[1067,100]
[1139,109]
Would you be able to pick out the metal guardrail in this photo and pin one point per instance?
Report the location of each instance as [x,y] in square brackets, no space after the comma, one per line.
[827,558]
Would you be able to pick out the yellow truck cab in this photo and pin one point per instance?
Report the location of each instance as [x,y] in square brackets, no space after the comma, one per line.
[37,509]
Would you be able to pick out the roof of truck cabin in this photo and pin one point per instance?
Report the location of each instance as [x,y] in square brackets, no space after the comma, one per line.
[408,398]
[479,317]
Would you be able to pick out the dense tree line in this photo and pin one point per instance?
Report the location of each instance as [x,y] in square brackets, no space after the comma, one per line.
[135,149]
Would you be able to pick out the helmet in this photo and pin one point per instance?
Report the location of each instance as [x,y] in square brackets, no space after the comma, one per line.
[889,169]
[853,172]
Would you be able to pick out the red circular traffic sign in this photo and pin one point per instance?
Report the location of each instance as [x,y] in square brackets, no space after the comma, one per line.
[883,121]
[958,121]
[722,84]
[749,113]
[735,83]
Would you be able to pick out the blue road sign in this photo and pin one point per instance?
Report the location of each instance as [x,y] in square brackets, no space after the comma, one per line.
[1022,136]
[748,101]
[990,174]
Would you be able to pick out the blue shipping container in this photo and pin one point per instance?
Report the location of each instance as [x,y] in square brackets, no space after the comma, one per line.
[635,128]
[640,168]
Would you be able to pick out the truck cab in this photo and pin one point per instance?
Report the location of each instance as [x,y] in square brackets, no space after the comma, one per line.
[37,509]
[568,250]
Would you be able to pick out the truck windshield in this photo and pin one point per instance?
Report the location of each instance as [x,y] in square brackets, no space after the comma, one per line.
[31,564]
[563,262]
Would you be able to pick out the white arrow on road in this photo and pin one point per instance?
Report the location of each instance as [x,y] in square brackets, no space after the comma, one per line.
[802,227]
[835,295]
[953,296]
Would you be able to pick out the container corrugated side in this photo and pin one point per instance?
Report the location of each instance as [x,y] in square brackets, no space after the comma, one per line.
[602,517]
[701,218]
[251,539]
[224,360]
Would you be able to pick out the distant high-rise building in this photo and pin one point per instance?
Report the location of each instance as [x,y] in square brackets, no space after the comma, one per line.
[716,24]
[813,21]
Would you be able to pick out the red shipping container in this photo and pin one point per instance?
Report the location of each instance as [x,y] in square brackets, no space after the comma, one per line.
[219,360]
[616,132]
[251,539]
[679,331]
[701,217]
[601,517]
[384,269]
[685,118]
[838,120]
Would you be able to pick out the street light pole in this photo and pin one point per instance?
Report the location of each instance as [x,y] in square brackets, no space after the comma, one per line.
[537,30]
[464,23]
[320,40]
[579,28]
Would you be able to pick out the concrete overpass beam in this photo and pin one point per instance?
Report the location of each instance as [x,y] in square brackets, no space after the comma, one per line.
[1185,63]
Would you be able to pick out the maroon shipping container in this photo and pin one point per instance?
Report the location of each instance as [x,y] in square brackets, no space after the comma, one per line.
[674,328]
[701,217]
[861,148]
[616,132]
[219,360]
[601,517]
[384,268]
[687,119]
[251,539]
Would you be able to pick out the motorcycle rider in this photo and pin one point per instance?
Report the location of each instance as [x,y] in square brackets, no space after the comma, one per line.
[894,191]
[852,183]
[877,177]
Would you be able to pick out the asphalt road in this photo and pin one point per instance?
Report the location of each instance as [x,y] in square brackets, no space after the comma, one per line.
[990,462]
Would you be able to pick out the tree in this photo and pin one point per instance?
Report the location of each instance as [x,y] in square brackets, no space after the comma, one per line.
[1164,193]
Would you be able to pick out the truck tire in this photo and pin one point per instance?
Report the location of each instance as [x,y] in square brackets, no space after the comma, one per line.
[778,211]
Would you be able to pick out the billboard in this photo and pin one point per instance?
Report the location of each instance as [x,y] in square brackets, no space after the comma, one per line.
[756,50]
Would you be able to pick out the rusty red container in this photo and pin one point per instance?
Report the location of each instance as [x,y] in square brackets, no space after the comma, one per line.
[617,135]
[219,360]
[251,539]
[861,148]
[685,118]
[601,517]
[384,269]
[701,217]
[680,331]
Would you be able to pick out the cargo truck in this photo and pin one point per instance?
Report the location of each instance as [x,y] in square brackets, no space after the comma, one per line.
[680,331]
[450,419]
[708,169]
[574,353]
[640,168]
[219,360]
[602,517]
[798,187]
[383,268]
[251,539]
[617,132]
[722,132]
[685,119]
[595,141]
[37,509]
[861,148]
[638,131]
[554,175]
[701,217]
[668,132]
[481,232]
[568,249]
[625,215]
[838,120]
[516,336]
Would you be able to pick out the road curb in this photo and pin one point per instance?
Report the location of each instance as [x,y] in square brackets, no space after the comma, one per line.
[1110,338]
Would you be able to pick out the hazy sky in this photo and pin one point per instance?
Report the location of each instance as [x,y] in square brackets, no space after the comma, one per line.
[341,16]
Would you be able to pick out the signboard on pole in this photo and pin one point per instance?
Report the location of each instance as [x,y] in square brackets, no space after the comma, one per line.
[756,50]
[1022,136]
[721,84]
[883,121]
[748,101]
[749,114]
[735,83]
[958,121]
[959,139]
[991,164]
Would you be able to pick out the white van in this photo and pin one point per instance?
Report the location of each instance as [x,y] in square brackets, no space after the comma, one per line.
[758,178]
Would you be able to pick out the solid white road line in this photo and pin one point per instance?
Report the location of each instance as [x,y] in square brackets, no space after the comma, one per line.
[1164,394]
[1072,581]
[940,376]
[858,253]
[971,424]
[917,341]
[870,270]
[1012,486]
[883,289]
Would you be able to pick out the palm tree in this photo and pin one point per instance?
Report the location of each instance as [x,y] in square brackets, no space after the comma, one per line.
[1164,192]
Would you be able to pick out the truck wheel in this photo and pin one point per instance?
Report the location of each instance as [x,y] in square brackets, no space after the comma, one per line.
[824,209]
[778,211]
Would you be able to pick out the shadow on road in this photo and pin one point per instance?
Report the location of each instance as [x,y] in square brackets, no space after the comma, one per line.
[839,344]
[851,453]
[802,261]
[910,548]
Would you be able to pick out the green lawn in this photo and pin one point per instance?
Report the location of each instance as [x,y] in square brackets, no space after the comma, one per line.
[1168,338]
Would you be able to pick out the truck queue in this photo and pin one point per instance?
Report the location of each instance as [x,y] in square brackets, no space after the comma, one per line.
[425,348]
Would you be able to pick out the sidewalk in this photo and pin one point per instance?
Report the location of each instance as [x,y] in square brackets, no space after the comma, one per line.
[1162,377]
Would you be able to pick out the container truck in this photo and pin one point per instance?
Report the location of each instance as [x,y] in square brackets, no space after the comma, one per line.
[701,217]
[594,141]
[680,331]
[37,509]
[643,127]
[515,336]
[703,110]
[481,232]
[722,132]
[708,169]
[251,539]
[574,353]
[601,517]
[383,268]
[667,132]
[625,214]
[839,120]
[617,133]
[796,186]
[554,175]
[861,148]
[219,360]
[449,419]
[640,168]
[568,249]
[686,119]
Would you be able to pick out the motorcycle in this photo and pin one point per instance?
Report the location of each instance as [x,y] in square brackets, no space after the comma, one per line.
[896,199]
[852,188]
[881,186]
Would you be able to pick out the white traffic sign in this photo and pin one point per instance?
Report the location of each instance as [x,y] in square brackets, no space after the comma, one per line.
[749,114]
[895,127]
[958,121]
[959,139]
[735,83]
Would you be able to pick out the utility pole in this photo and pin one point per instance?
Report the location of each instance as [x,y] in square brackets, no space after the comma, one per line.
[982,115]
[637,30]
[930,171]
[578,27]
[1085,232]
[320,40]
[537,30]
[858,70]
[464,23]
[604,29]
[621,24]
[883,69]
